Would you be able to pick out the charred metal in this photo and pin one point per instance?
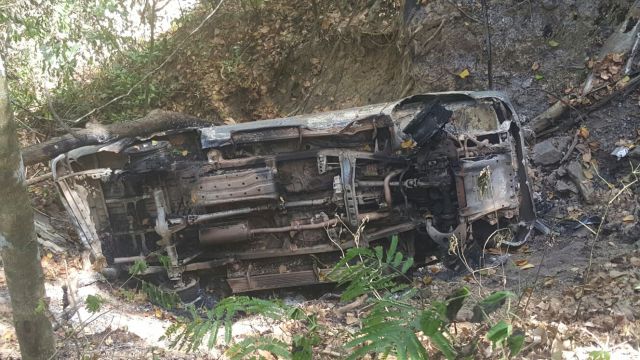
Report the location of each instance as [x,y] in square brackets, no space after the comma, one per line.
[273,203]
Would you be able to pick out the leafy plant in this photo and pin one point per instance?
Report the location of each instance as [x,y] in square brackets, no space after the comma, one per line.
[395,319]
[490,304]
[373,271]
[138,267]
[599,355]
[392,325]
[93,303]
[166,299]
[250,345]
[190,333]
[41,307]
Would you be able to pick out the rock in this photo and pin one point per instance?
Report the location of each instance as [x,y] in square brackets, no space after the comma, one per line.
[635,153]
[576,174]
[566,187]
[550,151]
[630,233]
[549,4]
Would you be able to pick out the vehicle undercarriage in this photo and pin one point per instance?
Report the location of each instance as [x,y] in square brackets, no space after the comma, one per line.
[274,203]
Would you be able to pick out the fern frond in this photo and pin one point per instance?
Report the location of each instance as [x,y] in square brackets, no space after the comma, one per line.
[363,270]
[245,348]
[390,336]
[166,299]
[190,333]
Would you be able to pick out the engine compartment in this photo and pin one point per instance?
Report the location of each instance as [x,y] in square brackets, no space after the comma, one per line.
[273,203]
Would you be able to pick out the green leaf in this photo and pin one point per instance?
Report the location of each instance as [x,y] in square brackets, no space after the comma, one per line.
[251,345]
[600,355]
[165,261]
[443,344]
[93,303]
[392,248]
[378,250]
[41,307]
[430,322]
[538,77]
[553,43]
[138,267]
[515,342]
[455,302]
[406,265]
[302,347]
[499,332]
[490,304]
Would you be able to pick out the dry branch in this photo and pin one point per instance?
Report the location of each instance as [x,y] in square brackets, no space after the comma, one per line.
[353,305]
[155,121]
[622,41]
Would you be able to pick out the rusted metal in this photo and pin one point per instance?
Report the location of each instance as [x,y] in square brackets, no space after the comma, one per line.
[387,188]
[248,185]
[274,281]
[225,234]
[295,227]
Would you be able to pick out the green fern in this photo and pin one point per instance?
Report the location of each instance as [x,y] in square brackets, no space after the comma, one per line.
[189,333]
[249,346]
[160,297]
[372,270]
[387,329]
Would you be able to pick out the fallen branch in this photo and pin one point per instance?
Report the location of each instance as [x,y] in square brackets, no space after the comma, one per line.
[38,179]
[155,121]
[352,306]
[551,117]
[622,41]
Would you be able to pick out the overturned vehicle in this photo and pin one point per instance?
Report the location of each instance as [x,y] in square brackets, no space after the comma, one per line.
[274,203]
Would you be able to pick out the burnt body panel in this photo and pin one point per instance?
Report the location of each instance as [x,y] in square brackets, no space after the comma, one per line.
[273,203]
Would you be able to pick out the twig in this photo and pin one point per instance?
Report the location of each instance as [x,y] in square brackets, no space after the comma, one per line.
[148,75]
[332,353]
[60,122]
[37,179]
[485,9]
[571,147]
[353,305]
[435,33]
[464,13]
[535,281]
[586,226]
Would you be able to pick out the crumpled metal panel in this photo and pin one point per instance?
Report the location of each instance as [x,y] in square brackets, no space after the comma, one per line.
[501,189]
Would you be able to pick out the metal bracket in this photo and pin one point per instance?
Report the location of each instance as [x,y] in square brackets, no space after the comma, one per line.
[348,174]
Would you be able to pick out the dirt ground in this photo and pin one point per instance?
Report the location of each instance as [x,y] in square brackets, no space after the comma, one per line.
[539,51]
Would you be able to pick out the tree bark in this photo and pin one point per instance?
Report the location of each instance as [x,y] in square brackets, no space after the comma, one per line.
[155,121]
[18,245]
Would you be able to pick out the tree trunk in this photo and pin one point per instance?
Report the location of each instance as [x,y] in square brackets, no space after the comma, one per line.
[155,121]
[18,245]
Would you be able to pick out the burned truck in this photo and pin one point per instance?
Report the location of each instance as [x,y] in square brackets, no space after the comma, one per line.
[274,203]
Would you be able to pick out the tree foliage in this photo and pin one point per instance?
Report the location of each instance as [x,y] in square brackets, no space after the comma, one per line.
[58,52]
[48,42]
